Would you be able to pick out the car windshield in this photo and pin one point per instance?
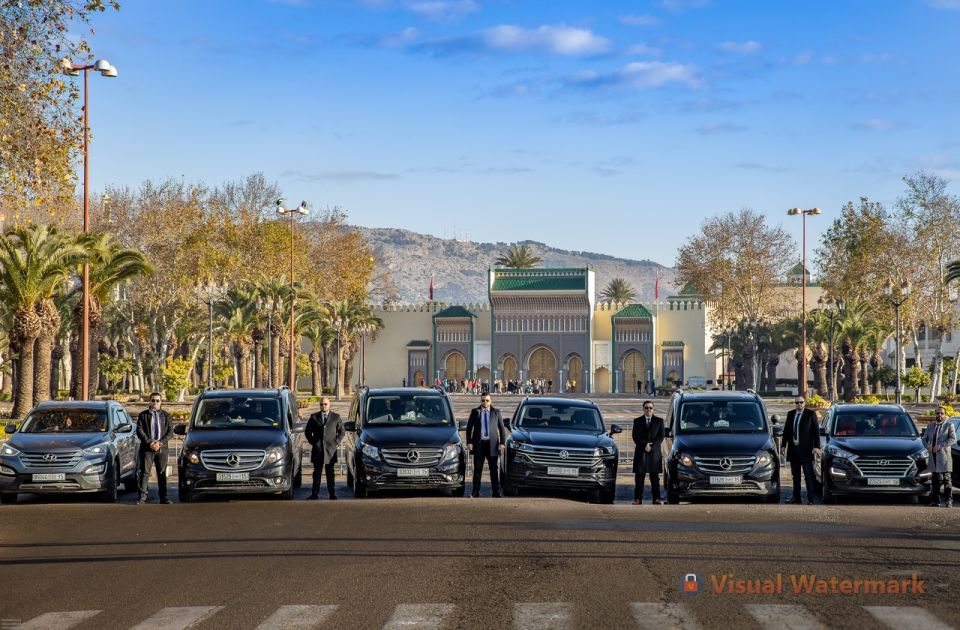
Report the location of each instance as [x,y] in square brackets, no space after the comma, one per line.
[65,421]
[873,424]
[408,410]
[721,416]
[560,416]
[241,412]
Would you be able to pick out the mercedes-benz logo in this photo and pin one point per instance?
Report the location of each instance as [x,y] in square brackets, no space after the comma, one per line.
[49,457]
[564,454]
[413,456]
[233,460]
[725,463]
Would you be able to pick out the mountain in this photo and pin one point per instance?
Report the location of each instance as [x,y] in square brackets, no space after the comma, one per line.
[460,267]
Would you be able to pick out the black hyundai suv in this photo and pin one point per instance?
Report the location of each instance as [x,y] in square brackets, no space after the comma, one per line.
[720,444]
[871,449]
[560,443]
[404,438]
[241,440]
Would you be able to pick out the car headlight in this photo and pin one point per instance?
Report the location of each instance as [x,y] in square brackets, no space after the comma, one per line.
[274,454]
[9,451]
[192,456]
[96,469]
[604,451]
[451,451]
[836,451]
[370,451]
[521,446]
[685,460]
[6,470]
[921,454]
[99,449]
[763,459]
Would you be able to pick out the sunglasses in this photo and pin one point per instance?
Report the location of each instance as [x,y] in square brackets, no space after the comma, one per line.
[154,400]
[645,408]
[798,402]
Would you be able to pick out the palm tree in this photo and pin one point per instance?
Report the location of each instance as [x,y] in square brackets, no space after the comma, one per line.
[238,314]
[877,334]
[314,325]
[518,257]
[620,291]
[35,263]
[854,326]
[276,288]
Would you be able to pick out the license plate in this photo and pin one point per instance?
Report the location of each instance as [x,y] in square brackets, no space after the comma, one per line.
[882,481]
[413,472]
[563,471]
[233,476]
[726,480]
[49,477]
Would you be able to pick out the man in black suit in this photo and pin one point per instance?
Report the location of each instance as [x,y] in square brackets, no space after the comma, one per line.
[647,459]
[324,431]
[154,430]
[486,436]
[801,435]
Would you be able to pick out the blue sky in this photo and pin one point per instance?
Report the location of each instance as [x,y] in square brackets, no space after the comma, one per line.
[613,126]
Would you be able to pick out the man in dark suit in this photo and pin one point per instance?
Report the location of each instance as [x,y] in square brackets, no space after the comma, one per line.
[801,435]
[486,436]
[154,430]
[647,459]
[324,431]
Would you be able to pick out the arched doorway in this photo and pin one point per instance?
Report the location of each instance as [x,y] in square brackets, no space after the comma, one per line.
[601,380]
[509,369]
[575,373]
[542,364]
[483,374]
[634,369]
[455,367]
[418,380]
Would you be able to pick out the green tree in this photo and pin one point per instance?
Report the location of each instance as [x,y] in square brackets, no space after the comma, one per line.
[175,377]
[518,257]
[619,291]
[916,378]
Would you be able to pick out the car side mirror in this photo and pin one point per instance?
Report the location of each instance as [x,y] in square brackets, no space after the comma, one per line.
[350,426]
[125,428]
[299,427]
[462,425]
[614,429]
[11,428]
[180,429]
[775,419]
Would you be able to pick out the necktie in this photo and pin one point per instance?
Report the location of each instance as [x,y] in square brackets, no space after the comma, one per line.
[936,430]
[796,429]
[486,425]
[156,426]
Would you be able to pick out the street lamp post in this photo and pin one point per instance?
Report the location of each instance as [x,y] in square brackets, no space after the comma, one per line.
[293,213]
[363,353]
[802,385]
[257,344]
[902,294]
[209,293]
[271,306]
[725,363]
[74,69]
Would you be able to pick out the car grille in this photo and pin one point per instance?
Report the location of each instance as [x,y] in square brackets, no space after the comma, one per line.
[40,460]
[66,485]
[879,466]
[232,485]
[434,478]
[558,456]
[246,460]
[725,465]
[422,457]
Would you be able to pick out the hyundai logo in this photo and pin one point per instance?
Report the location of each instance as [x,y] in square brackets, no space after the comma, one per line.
[413,456]
[564,454]
[50,457]
[884,462]
[725,463]
[233,460]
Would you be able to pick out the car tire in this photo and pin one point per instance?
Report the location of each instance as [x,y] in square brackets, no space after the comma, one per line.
[829,498]
[359,490]
[298,478]
[8,497]
[109,495]
[459,491]
[349,478]
[511,490]
[287,495]
[132,483]
[673,497]
[608,496]
[184,494]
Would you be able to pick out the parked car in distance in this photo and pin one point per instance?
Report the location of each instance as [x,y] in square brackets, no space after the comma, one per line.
[241,441]
[720,444]
[955,452]
[67,447]
[560,443]
[403,438]
[871,450]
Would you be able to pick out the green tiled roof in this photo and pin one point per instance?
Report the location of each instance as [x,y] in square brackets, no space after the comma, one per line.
[418,343]
[634,310]
[540,280]
[672,344]
[689,289]
[454,311]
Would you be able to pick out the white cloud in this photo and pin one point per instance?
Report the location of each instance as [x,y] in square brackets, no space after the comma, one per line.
[401,39]
[557,39]
[640,75]
[876,124]
[639,20]
[443,9]
[944,4]
[642,50]
[741,48]
[678,6]
[720,128]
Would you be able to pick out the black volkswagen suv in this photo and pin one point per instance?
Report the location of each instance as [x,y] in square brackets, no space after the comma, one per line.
[560,443]
[241,440]
[720,444]
[871,449]
[403,439]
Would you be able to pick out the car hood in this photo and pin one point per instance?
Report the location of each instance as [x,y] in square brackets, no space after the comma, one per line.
[569,439]
[233,438]
[722,443]
[402,437]
[878,445]
[30,442]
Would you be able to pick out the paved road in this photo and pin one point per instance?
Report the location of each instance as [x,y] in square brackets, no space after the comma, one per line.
[433,562]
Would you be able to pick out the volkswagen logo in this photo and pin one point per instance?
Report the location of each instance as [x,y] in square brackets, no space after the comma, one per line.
[233,460]
[413,456]
[725,463]
[564,454]
[49,457]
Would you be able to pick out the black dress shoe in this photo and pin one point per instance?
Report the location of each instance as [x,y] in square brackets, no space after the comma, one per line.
[496,496]
[166,501]
[793,500]
[475,496]
[313,497]
[141,501]
[333,497]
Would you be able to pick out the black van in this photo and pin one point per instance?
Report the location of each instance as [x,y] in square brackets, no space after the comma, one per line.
[404,438]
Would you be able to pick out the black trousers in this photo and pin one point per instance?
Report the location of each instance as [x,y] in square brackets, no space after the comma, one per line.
[807,468]
[158,461]
[941,490]
[654,484]
[481,455]
[318,470]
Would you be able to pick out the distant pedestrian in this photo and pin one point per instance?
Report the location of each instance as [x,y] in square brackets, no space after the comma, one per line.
[802,438]
[938,439]
[486,435]
[647,459]
[154,430]
[324,431]
[404,382]
[639,385]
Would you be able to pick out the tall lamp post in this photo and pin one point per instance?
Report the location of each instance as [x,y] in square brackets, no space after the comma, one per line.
[725,364]
[366,328]
[257,345]
[73,70]
[293,213]
[271,306]
[897,298]
[832,314]
[802,385]
[209,293]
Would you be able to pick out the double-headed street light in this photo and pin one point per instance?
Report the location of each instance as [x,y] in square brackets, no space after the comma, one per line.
[210,292]
[897,297]
[293,213]
[832,314]
[802,385]
[73,70]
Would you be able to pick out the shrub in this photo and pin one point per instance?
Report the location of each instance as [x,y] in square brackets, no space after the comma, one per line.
[817,402]
[868,400]
[174,377]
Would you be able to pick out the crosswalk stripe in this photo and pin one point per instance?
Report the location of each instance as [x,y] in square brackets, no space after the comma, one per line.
[177,618]
[657,615]
[784,617]
[906,617]
[58,620]
[295,617]
[419,616]
[542,616]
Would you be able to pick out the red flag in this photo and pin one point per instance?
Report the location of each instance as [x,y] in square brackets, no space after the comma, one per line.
[656,287]
[431,287]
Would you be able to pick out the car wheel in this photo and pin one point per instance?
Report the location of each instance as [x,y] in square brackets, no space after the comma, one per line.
[459,491]
[359,490]
[829,498]
[287,495]
[132,483]
[184,494]
[607,496]
[109,494]
[298,478]
[8,497]
[349,478]
[673,497]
